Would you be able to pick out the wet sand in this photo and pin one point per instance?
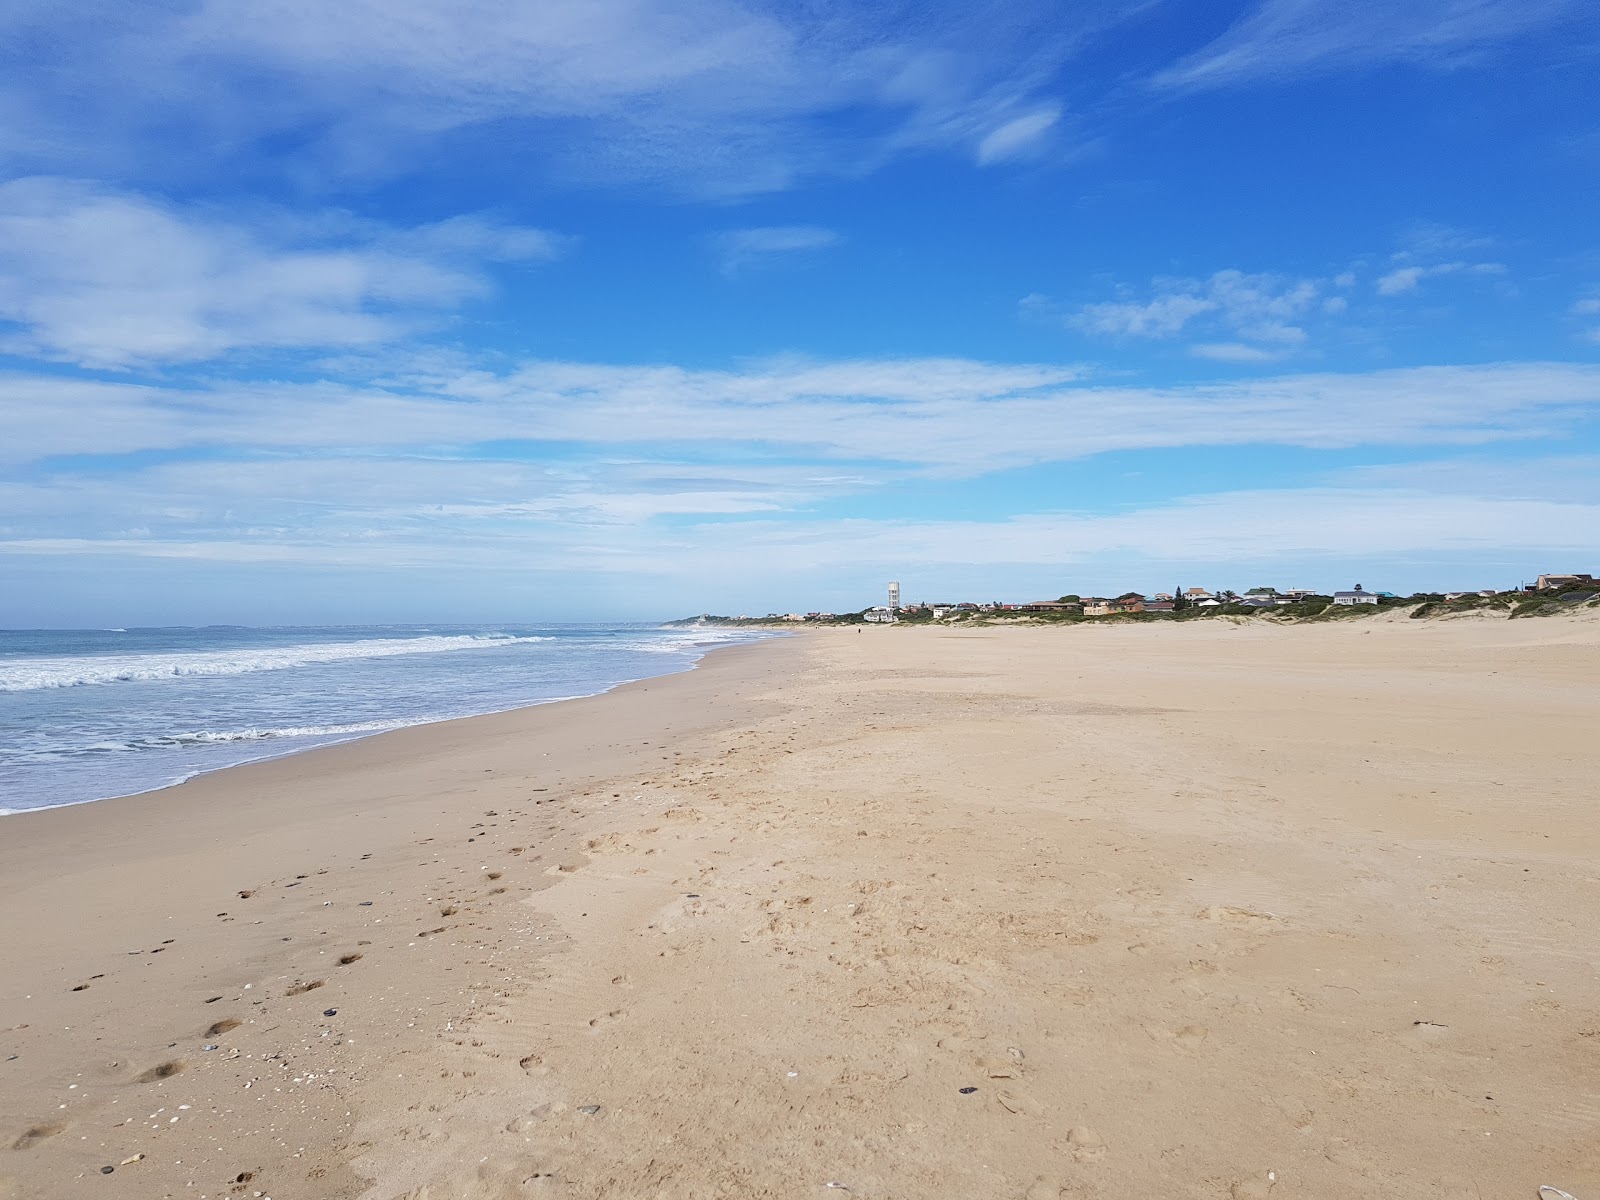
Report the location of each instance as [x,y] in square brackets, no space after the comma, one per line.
[1199,911]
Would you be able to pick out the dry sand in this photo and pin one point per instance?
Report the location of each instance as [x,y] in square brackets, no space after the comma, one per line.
[1168,912]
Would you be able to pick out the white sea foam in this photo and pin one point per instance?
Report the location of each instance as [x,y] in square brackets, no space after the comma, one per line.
[201,737]
[681,641]
[32,674]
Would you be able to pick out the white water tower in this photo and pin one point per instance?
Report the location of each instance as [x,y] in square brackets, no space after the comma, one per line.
[894,596]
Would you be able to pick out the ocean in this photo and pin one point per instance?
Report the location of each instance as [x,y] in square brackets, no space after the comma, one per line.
[87,714]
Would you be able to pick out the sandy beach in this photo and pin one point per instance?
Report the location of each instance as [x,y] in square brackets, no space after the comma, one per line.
[1213,910]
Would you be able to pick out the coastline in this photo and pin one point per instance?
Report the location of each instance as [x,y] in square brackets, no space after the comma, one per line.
[706,647]
[99,888]
[1224,911]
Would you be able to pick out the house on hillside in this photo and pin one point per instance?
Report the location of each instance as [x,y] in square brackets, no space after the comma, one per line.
[1196,595]
[1159,605]
[1358,596]
[1550,582]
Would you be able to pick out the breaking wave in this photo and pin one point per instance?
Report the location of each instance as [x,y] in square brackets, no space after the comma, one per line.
[26,675]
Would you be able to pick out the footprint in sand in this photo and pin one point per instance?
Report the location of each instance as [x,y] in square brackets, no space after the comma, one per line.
[1045,1188]
[34,1136]
[218,1028]
[615,1014]
[1230,912]
[300,989]
[346,959]
[1188,1036]
[1257,1187]
[995,1068]
[1019,1104]
[523,1122]
[1085,1145]
[164,1070]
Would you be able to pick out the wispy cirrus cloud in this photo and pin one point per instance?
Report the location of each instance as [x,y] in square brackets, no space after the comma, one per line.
[1406,279]
[1260,316]
[740,250]
[689,474]
[111,279]
[1331,530]
[710,97]
[1289,39]
[1431,250]
[952,417]
[1019,136]
[1587,310]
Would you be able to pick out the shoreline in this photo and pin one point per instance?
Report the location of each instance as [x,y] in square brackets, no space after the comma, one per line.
[1226,913]
[99,890]
[708,648]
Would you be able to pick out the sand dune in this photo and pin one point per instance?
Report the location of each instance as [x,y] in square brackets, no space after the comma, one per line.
[1202,911]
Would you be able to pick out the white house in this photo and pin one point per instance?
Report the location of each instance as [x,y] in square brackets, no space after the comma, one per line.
[1359,596]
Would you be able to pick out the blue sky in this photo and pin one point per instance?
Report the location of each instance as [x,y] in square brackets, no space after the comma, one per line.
[632,308]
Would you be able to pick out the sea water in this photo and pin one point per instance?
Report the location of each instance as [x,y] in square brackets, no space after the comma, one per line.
[87,714]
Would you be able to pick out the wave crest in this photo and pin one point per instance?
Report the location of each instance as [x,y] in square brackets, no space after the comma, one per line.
[27,675]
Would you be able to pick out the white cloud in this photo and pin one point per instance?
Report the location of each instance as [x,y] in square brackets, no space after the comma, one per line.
[934,415]
[1018,136]
[1405,279]
[1233,352]
[1289,39]
[1568,478]
[426,472]
[741,249]
[723,97]
[110,279]
[1226,528]
[1162,316]
[1400,280]
[1260,311]
[1434,239]
[1588,308]
[1218,532]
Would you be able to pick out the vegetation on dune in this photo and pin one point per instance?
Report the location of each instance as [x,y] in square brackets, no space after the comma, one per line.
[1419,606]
